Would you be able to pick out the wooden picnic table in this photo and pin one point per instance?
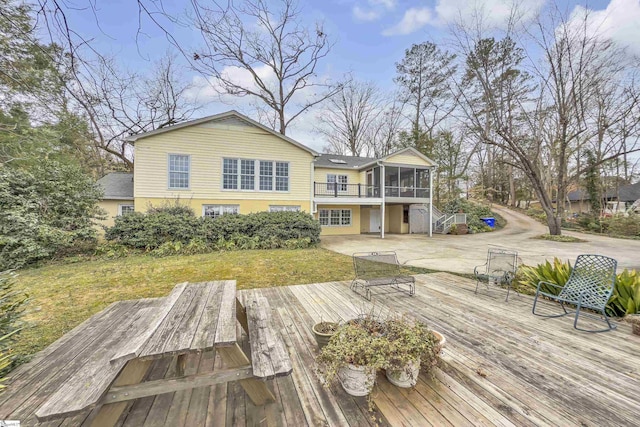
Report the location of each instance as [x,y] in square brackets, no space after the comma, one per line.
[101,364]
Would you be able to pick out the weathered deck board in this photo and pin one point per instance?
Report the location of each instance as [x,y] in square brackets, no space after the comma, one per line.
[502,366]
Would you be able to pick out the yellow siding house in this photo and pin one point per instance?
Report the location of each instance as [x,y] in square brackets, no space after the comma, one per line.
[230,164]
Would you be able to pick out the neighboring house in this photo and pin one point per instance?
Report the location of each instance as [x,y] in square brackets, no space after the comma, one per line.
[229,164]
[118,195]
[615,201]
[579,202]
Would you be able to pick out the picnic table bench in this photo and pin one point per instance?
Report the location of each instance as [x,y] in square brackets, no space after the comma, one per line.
[379,269]
[100,365]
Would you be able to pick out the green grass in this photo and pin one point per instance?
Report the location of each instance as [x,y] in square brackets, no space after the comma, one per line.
[64,295]
[561,238]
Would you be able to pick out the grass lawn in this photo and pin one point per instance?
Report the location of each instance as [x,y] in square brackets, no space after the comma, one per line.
[64,295]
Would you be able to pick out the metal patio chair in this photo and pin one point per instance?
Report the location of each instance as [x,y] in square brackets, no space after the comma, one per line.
[500,268]
[590,286]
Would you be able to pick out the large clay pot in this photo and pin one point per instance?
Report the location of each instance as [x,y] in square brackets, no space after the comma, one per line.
[440,337]
[406,377]
[357,380]
[321,338]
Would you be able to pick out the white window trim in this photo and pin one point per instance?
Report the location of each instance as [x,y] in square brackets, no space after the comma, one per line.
[256,176]
[204,206]
[340,210]
[169,187]
[121,205]
[287,208]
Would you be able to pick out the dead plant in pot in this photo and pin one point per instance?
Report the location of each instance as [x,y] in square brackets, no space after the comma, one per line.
[353,356]
[412,347]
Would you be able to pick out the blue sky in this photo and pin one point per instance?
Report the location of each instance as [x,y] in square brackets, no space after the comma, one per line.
[370,35]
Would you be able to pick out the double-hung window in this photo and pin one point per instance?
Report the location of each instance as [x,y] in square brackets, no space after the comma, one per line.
[230,174]
[266,176]
[125,209]
[282,176]
[179,169]
[335,217]
[340,181]
[247,174]
[214,211]
[255,175]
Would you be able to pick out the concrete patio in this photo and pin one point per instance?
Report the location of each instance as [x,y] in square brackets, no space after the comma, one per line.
[460,254]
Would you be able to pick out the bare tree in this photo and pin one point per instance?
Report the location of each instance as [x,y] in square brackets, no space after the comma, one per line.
[348,118]
[119,103]
[256,50]
[383,134]
[540,128]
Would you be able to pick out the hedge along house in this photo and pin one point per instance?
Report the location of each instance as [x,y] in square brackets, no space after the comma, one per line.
[230,164]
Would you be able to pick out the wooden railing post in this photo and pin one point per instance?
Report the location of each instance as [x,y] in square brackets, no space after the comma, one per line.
[359,191]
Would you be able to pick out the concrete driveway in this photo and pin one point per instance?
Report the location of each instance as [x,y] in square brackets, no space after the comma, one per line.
[461,253]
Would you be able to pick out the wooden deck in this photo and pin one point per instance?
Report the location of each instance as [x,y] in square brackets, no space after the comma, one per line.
[501,366]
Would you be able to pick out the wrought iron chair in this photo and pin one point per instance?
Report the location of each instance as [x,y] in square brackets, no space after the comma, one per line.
[590,285]
[500,268]
[380,269]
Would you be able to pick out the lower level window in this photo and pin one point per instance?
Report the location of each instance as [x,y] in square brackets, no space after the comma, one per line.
[283,208]
[214,211]
[125,209]
[335,217]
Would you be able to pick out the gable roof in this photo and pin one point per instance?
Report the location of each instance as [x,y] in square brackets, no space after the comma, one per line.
[117,186]
[411,150]
[232,113]
[357,162]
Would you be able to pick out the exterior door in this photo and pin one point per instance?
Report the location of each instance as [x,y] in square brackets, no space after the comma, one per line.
[374,220]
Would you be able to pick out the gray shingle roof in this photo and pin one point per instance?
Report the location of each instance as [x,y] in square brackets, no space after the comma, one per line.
[577,195]
[117,186]
[350,162]
[629,193]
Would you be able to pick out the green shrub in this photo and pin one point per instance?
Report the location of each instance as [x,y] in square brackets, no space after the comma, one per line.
[11,308]
[619,225]
[557,273]
[626,295]
[173,230]
[474,213]
[45,212]
[151,230]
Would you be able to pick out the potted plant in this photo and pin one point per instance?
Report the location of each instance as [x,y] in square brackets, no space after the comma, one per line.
[634,319]
[323,331]
[411,347]
[353,356]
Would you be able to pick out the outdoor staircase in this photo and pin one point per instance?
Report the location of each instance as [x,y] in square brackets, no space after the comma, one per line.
[442,222]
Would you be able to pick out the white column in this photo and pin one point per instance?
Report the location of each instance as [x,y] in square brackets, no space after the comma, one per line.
[430,202]
[383,199]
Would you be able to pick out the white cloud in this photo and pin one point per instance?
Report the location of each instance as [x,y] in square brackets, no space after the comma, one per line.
[389,4]
[413,20]
[619,21]
[366,15]
[491,13]
[374,11]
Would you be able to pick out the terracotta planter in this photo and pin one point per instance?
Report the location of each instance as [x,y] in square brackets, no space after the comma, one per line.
[322,339]
[634,319]
[406,377]
[357,380]
[440,337]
